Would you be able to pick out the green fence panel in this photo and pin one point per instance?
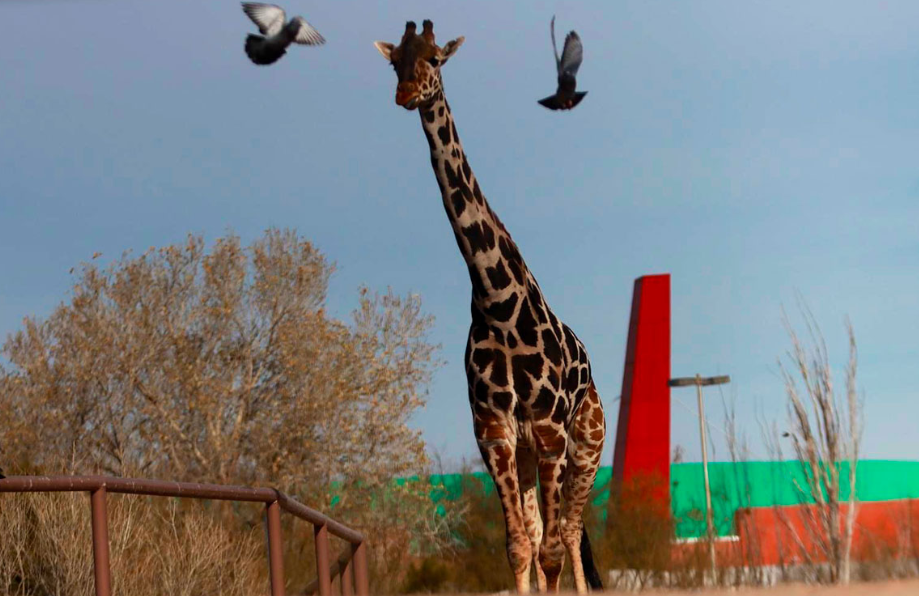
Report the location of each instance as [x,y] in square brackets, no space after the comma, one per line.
[734,485]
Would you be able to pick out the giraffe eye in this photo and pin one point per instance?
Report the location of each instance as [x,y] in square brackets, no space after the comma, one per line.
[435,62]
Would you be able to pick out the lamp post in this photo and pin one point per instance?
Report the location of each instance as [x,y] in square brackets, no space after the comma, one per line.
[699,381]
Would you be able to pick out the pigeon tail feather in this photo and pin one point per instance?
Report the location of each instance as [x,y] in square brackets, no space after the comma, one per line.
[577,98]
[552,102]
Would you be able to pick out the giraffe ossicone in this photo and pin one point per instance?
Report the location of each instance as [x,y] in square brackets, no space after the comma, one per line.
[536,412]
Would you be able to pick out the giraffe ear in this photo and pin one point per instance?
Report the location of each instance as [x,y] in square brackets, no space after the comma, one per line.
[385,48]
[450,48]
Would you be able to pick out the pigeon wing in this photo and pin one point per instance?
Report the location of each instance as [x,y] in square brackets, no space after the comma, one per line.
[269,17]
[306,33]
[572,55]
[554,47]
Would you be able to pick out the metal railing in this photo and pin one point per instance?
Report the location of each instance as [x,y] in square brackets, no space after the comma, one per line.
[352,561]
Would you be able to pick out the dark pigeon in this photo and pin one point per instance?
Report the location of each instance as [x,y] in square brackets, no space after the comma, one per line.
[278,33]
[566,97]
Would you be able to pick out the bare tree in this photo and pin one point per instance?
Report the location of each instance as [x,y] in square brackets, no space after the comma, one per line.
[825,432]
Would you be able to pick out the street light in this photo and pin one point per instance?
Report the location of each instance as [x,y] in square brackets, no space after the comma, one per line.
[699,381]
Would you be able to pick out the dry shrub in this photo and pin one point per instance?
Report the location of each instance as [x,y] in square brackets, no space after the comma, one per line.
[158,546]
[479,562]
[401,526]
[889,549]
[637,537]
[222,365]
[635,548]
[638,531]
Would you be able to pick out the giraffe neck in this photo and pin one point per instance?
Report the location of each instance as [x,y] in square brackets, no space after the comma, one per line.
[498,273]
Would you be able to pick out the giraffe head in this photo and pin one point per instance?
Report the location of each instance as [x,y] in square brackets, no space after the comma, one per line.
[417,61]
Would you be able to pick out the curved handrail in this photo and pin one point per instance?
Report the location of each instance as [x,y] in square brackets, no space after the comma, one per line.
[275,500]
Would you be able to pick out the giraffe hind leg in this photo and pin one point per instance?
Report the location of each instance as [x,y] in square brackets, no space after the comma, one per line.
[584,449]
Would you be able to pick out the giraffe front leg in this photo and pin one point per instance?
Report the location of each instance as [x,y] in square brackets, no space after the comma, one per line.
[499,457]
[585,445]
[551,445]
[526,473]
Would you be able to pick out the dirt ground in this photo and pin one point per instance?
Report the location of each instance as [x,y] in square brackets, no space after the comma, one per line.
[891,588]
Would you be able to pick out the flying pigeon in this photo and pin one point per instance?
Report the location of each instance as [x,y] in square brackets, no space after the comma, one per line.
[566,97]
[278,32]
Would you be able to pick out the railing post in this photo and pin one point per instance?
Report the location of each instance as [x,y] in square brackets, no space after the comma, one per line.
[361,573]
[275,551]
[347,579]
[321,537]
[101,566]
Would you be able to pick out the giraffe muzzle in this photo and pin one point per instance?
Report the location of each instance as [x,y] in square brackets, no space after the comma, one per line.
[407,95]
[407,99]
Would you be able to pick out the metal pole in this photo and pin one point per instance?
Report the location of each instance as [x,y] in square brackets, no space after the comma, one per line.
[275,551]
[699,381]
[710,526]
[347,578]
[361,573]
[321,537]
[101,566]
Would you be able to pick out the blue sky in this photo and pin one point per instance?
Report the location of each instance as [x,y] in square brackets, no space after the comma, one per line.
[751,150]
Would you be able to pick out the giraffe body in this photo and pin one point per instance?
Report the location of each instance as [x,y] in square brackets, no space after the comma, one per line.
[536,412]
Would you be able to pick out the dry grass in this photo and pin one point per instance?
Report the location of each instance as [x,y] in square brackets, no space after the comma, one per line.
[158,546]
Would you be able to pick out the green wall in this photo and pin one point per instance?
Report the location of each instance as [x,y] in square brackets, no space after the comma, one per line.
[763,484]
[748,484]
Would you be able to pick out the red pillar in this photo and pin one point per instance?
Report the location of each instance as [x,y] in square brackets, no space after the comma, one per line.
[642,454]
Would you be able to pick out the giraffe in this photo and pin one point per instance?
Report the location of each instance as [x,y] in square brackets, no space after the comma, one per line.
[536,412]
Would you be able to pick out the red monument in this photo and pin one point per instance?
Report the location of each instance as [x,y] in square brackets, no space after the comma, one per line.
[642,453]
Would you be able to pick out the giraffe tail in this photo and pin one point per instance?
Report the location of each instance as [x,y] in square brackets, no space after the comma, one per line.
[587,561]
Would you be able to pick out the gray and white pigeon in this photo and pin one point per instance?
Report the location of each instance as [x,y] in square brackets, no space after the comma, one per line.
[278,32]
[566,97]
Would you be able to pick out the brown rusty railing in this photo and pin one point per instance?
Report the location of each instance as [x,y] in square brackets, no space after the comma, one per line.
[353,560]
